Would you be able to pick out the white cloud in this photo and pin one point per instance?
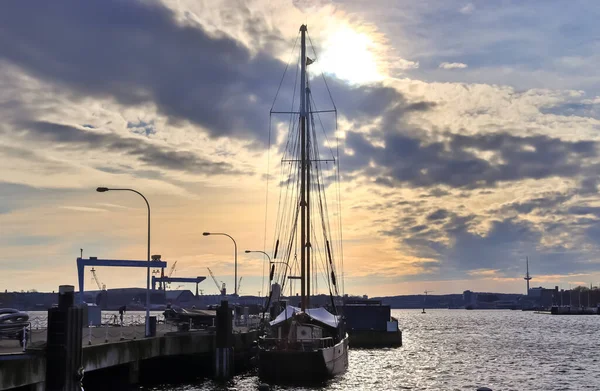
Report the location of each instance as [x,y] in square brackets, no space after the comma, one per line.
[453,65]
[467,9]
[406,64]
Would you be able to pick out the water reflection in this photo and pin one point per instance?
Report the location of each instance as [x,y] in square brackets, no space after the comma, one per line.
[463,350]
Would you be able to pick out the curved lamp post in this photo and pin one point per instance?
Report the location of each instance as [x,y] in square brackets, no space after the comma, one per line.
[272,263]
[235,280]
[105,189]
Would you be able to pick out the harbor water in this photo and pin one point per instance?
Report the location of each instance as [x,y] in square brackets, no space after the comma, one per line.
[464,350]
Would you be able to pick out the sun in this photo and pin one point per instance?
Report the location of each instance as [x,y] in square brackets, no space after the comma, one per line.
[350,55]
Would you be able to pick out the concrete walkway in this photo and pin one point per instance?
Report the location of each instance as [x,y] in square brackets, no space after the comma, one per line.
[90,336]
[97,336]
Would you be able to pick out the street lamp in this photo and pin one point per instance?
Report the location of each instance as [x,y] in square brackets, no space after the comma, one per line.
[105,189]
[262,252]
[235,281]
[272,263]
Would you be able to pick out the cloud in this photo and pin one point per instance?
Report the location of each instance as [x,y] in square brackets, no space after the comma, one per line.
[439,214]
[453,65]
[458,162]
[144,151]
[137,52]
[467,9]
[404,64]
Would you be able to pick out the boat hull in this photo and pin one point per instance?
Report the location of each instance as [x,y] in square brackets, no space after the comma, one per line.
[303,366]
[375,339]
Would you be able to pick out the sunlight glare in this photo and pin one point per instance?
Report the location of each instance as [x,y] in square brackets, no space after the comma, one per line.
[350,55]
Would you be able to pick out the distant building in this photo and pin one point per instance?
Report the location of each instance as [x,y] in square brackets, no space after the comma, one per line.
[469,299]
[182,298]
[543,297]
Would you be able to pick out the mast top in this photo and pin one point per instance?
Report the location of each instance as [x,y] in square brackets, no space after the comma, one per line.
[303,27]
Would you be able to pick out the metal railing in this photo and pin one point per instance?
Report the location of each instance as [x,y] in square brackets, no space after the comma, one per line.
[300,344]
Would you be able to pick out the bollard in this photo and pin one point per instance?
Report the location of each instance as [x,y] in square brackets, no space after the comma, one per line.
[484,389]
[63,348]
[24,338]
[224,341]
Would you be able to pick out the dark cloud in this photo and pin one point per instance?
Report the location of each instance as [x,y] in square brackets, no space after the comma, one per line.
[136,52]
[439,214]
[142,127]
[409,160]
[146,152]
[459,245]
[542,205]
[584,210]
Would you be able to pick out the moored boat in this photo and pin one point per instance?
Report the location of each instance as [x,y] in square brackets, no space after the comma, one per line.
[370,324]
[309,345]
[304,344]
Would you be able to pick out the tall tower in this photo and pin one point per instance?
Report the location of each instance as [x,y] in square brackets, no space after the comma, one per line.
[527,276]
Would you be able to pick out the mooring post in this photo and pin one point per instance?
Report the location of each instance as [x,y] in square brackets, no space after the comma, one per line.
[134,372]
[224,343]
[24,341]
[63,349]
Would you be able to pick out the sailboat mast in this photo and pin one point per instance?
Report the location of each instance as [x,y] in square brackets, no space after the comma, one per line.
[303,166]
[308,167]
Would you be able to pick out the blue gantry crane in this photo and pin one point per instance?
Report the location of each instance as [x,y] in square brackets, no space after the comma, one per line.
[155,263]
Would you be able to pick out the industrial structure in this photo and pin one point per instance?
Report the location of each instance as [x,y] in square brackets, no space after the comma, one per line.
[163,281]
[155,263]
[527,276]
[223,288]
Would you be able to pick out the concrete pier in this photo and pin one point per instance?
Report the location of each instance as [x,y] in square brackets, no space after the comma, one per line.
[110,357]
[128,357]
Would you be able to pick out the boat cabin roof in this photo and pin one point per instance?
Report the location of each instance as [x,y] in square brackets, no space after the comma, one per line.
[320,315]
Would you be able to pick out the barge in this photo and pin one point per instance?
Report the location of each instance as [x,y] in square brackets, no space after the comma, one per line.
[370,325]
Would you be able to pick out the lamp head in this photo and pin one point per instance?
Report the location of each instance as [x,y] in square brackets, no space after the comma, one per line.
[205,233]
[247,251]
[101,189]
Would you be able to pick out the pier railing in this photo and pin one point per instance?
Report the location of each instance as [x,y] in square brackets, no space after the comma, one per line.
[300,344]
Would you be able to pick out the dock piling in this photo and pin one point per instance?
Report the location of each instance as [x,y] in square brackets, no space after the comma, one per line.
[224,343]
[134,372]
[64,346]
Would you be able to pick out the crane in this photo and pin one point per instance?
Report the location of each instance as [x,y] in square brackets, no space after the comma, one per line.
[222,289]
[172,269]
[239,283]
[102,287]
[165,285]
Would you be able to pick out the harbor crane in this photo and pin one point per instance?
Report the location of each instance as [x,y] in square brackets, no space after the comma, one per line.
[425,300]
[170,274]
[102,287]
[222,289]
[239,283]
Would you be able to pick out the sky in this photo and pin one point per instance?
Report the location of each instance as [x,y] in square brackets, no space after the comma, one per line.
[468,138]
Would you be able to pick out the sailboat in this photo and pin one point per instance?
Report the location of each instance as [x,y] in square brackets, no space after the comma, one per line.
[303,343]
